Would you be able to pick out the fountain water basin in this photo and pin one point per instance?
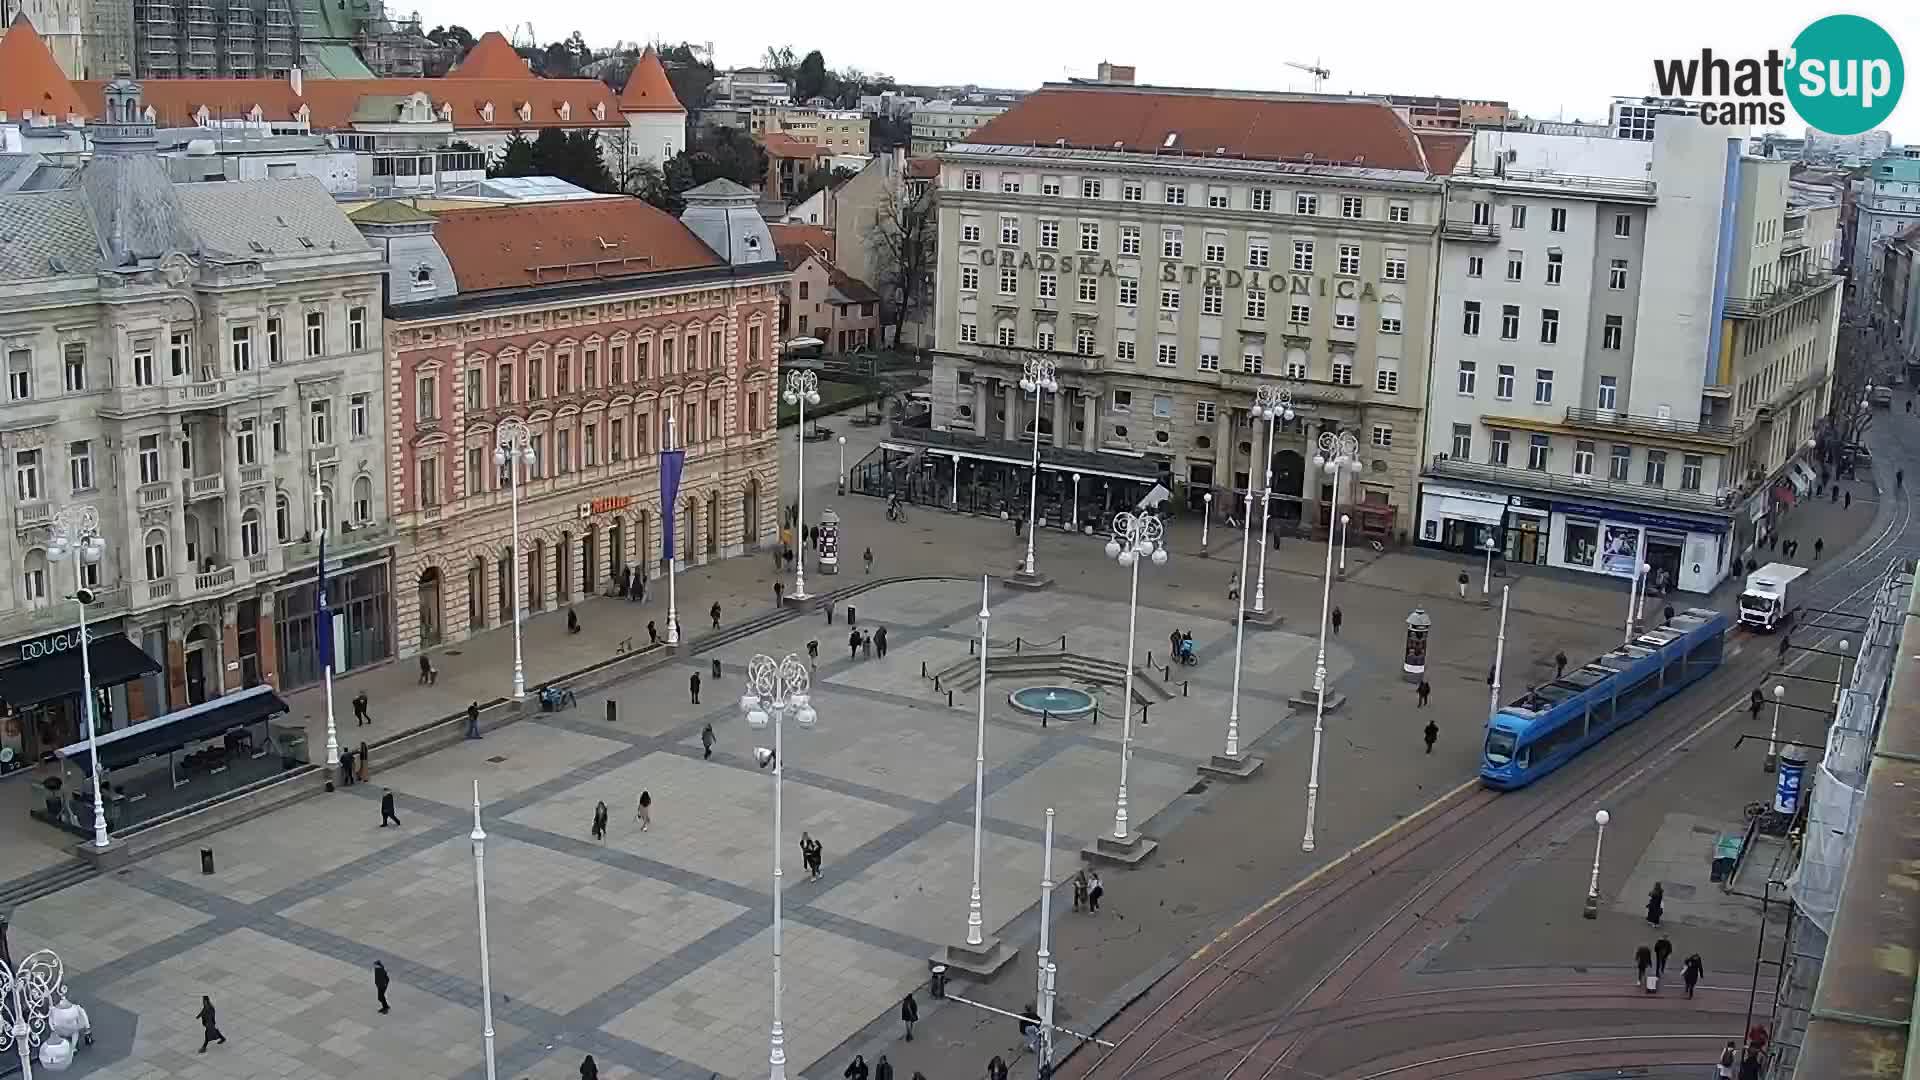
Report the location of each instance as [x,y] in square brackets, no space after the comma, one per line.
[1061,702]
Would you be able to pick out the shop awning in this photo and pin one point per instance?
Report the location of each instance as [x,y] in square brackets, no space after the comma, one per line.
[1448,506]
[164,734]
[114,660]
[1111,466]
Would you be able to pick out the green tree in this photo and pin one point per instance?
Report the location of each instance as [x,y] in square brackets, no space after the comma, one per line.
[573,156]
[818,179]
[516,158]
[645,180]
[723,153]
[810,80]
[779,60]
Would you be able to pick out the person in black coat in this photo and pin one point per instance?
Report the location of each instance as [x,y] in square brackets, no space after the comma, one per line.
[386,810]
[588,1070]
[1656,903]
[209,1025]
[380,982]
[857,1070]
[910,1013]
[1662,950]
[1642,960]
[883,1069]
[346,766]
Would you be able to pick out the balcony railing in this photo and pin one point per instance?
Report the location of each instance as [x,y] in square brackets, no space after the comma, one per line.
[1603,185]
[29,515]
[342,543]
[155,494]
[1699,502]
[1467,230]
[252,474]
[1755,307]
[107,603]
[215,579]
[324,455]
[206,487]
[1609,420]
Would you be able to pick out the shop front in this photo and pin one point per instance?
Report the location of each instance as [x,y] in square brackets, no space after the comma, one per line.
[41,691]
[1462,519]
[1529,530]
[1688,554]
[362,612]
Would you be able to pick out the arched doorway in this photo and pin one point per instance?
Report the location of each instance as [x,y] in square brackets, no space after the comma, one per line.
[477,595]
[537,576]
[689,511]
[429,597]
[202,662]
[503,576]
[616,550]
[564,564]
[750,514]
[643,543]
[713,524]
[1289,479]
[590,560]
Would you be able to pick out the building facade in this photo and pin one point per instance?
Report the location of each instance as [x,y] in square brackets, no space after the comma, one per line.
[1263,239]
[1888,205]
[837,131]
[612,332]
[1582,414]
[937,125]
[1452,114]
[198,364]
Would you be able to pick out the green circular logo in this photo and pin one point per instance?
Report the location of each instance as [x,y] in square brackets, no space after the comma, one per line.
[1846,75]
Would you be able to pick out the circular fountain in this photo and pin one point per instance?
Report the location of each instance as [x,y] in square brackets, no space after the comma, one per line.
[1059,702]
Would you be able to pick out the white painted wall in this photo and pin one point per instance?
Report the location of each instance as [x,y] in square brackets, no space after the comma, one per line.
[1675,321]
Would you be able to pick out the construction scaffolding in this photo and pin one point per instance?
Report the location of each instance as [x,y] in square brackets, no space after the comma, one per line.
[202,39]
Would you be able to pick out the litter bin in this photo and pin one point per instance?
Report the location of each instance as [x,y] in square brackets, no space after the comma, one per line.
[853,617]
[939,987]
[206,860]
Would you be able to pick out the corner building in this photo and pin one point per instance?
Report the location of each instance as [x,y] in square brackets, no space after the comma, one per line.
[593,323]
[1171,250]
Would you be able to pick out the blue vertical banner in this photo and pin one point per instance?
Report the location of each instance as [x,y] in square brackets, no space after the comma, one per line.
[1789,788]
[323,613]
[671,462]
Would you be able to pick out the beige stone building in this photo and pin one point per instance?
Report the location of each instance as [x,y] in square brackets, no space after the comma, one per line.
[837,130]
[597,324]
[1238,240]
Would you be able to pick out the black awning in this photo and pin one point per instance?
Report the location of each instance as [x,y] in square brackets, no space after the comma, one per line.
[165,734]
[114,660]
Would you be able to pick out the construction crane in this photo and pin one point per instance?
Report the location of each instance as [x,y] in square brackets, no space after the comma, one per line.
[1320,74]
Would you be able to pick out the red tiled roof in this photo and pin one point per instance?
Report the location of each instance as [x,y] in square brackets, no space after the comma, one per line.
[648,89]
[786,146]
[30,78]
[332,101]
[817,237]
[547,243]
[853,288]
[1243,125]
[1444,148]
[923,168]
[491,58]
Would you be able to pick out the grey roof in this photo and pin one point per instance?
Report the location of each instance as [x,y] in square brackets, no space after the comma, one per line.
[136,215]
[719,188]
[45,234]
[15,169]
[261,217]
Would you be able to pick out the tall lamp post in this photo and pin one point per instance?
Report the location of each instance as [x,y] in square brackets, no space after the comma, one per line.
[1344,518]
[1338,453]
[1268,403]
[1499,654]
[773,687]
[843,465]
[479,838]
[1036,378]
[1206,518]
[975,919]
[803,389]
[513,451]
[76,529]
[1134,536]
[1073,523]
[1044,966]
[1274,405]
[1634,588]
[1600,819]
[1486,578]
[30,991]
[1773,733]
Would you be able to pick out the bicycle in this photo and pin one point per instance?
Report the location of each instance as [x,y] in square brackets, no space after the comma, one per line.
[896,512]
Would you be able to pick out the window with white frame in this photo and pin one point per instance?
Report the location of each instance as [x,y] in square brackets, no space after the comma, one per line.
[1089,236]
[969,279]
[1509,322]
[1539,449]
[316,333]
[246,442]
[273,340]
[1691,466]
[1043,337]
[1656,468]
[1617,275]
[1499,446]
[26,476]
[1470,317]
[1049,185]
[1382,436]
[1462,441]
[80,466]
[1519,215]
[1349,260]
[1162,406]
[1549,326]
[1623,224]
[1260,199]
[1213,300]
[1089,290]
[1133,191]
[1209,355]
[1218,198]
[252,543]
[1468,377]
[1483,213]
[1304,203]
[1176,194]
[1345,320]
[148,458]
[1252,359]
[1476,266]
[1303,256]
[1205,412]
[180,352]
[1516,266]
[970,231]
[1256,304]
[33,577]
[1122,401]
[1259,252]
[1399,213]
[356,328]
[1010,230]
[142,364]
[1049,234]
[1620,463]
[1611,331]
[1010,183]
[1009,281]
[156,554]
[1352,206]
[1556,263]
[319,422]
[1557,219]
[1004,336]
[1129,239]
[969,332]
[1342,369]
[1089,188]
[1167,354]
[1216,247]
[1123,349]
[1608,394]
[1582,458]
[1172,243]
[1390,319]
[1083,341]
[19,375]
[1049,286]
[1394,268]
[1386,376]
[1543,386]
[1297,366]
[1503,382]
[357,409]
[240,348]
[1299,313]
[1170,299]
[970,181]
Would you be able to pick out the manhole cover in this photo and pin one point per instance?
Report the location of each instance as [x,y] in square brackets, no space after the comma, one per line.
[497,759]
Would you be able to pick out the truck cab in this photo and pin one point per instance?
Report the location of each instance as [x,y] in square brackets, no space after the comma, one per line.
[1764,603]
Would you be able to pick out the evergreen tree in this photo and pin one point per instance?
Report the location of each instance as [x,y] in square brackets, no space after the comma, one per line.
[516,158]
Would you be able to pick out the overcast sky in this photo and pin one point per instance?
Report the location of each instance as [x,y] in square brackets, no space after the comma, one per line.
[1547,60]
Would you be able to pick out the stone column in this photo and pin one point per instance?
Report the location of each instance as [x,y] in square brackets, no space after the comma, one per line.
[230,498]
[1010,391]
[229,677]
[981,422]
[1089,417]
[183,569]
[1060,419]
[1222,459]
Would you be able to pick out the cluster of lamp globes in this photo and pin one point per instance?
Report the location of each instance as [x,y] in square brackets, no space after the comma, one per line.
[502,455]
[91,548]
[1042,382]
[809,395]
[67,1024]
[1134,550]
[758,718]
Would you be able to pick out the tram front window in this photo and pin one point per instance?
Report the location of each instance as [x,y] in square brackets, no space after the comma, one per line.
[1499,746]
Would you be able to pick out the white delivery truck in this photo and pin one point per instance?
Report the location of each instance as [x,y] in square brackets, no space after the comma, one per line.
[1763,604]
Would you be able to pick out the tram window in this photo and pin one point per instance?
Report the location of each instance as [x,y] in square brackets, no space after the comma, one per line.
[1526,757]
[1499,746]
[1550,743]
[1633,700]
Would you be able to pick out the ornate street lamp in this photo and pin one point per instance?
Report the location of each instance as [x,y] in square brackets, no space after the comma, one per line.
[1274,404]
[513,451]
[1339,453]
[773,687]
[1037,377]
[76,530]
[1134,536]
[803,389]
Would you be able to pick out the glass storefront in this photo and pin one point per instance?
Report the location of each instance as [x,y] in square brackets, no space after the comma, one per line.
[362,621]
[1582,545]
[40,688]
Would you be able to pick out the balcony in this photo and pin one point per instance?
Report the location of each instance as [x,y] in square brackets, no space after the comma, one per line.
[30,515]
[1759,307]
[344,543]
[1467,230]
[107,604]
[155,495]
[321,456]
[205,487]
[1608,420]
[1612,188]
[206,394]
[1698,502]
[1304,391]
[220,578]
[253,475]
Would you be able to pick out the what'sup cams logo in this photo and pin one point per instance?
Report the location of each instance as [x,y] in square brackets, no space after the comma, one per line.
[1843,75]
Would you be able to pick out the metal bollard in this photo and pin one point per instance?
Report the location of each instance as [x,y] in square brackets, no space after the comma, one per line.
[936,684]
[949,699]
[923,669]
[1144,706]
[1167,673]
[1044,716]
[611,715]
[1183,688]
[206,860]
[1016,643]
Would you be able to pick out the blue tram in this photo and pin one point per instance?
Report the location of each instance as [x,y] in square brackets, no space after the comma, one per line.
[1551,723]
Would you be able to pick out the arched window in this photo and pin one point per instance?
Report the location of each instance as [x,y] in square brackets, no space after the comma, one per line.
[283,518]
[34,577]
[156,554]
[362,499]
[250,539]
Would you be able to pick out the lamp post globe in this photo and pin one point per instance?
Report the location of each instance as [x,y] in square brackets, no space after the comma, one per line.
[1134,535]
[1274,404]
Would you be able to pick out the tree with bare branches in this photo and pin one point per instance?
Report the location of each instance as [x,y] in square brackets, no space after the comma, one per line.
[1862,359]
[901,239]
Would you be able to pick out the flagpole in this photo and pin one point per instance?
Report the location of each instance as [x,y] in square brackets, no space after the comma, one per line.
[673,598]
[323,634]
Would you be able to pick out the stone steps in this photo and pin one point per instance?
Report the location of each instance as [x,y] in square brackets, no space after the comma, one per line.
[964,675]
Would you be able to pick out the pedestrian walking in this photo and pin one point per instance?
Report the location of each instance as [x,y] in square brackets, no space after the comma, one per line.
[386,810]
[589,1069]
[1431,734]
[693,687]
[473,720]
[883,1069]
[573,621]
[1461,581]
[1836,494]
[645,814]
[426,670]
[1491,676]
[1662,951]
[1819,545]
[1690,971]
[1642,960]
[868,557]
[1335,619]
[653,633]
[1559,663]
[1749,1065]
[1656,902]
[866,645]
[626,581]
[1080,890]
[1724,1070]
[360,763]
[829,607]
[1233,586]
[813,652]
[600,821]
[1019,525]
[1846,503]
[909,1014]
[853,644]
[806,855]
[360,716]
[714,613]
[880,642]
[706,742]
[1095,891]
[639,588]
[209,1025]
[346,766]
[779,593]
[857,1070]
[996,1069]
[1755,702]
[380,982]
[817,855]
[1425,689]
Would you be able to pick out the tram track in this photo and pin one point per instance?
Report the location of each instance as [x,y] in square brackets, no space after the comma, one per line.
[1164,1043]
